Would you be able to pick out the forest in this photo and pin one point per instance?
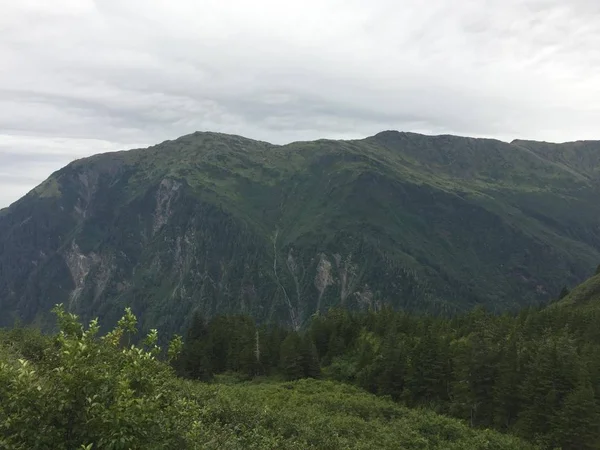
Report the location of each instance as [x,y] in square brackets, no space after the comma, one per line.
[535,374]
[78,390]
[376,379]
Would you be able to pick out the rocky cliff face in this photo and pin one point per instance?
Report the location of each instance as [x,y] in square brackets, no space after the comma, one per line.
[223,224]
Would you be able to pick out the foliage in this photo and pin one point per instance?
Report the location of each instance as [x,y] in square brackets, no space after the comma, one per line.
[79,390]
[312,414]
[534,374]
[226,225]
[87,390]
[230,343]
[563,293]
[299,357]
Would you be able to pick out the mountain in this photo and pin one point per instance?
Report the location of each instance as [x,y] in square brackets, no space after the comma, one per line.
[585,297]
[224,224]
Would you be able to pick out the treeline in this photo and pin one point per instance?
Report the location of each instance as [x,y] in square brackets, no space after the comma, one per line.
[536,374]
[78,389]
[236,344]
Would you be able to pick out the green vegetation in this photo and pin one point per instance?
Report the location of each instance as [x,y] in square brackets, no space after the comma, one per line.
[535,374]
[299,273]
[586,296]
[221,224]
[77,390]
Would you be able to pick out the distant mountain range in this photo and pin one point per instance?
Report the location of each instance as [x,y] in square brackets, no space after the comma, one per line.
[223,224]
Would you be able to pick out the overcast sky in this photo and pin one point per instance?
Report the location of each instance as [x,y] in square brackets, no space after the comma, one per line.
[79,77]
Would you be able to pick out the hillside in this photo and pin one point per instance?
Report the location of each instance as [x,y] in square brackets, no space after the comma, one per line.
[223,224]
[584,296]
[535,374]
[79,390]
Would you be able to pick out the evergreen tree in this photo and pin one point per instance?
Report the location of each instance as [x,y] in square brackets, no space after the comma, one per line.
[194,360]
[291,357]
[219,337]
[506,395]
[550,374]
[310,358]
[577,424]
[481,380]
[197,328]
[336,346]
[271,346]
[428,372]
[563,293]
[241,345]
[391,377]
[320,331]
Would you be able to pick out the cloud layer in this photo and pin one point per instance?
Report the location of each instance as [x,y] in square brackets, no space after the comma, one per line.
[81,76]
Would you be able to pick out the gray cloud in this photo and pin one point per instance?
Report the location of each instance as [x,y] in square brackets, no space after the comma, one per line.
[81,76]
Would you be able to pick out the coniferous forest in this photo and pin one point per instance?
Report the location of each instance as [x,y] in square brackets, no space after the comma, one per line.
[79,390]
[535,374]
[378,379]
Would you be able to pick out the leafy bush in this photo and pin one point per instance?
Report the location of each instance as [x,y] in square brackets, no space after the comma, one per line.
[89,390]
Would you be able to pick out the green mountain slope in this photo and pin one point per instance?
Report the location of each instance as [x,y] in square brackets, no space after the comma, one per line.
[585,296]
[225,224]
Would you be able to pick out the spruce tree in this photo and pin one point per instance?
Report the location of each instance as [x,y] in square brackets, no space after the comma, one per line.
[194,360]
[577,424]
[197,328]
[219,338]
[310,358]
[563,293]
[506,394]
[391,377]
[291,357]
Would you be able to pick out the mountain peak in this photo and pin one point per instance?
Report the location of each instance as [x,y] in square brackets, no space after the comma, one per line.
[223,224]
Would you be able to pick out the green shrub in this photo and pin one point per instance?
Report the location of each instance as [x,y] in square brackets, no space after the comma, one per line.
[83,391]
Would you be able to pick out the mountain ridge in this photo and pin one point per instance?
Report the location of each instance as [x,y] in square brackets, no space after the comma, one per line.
[225,224]
[381,133]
